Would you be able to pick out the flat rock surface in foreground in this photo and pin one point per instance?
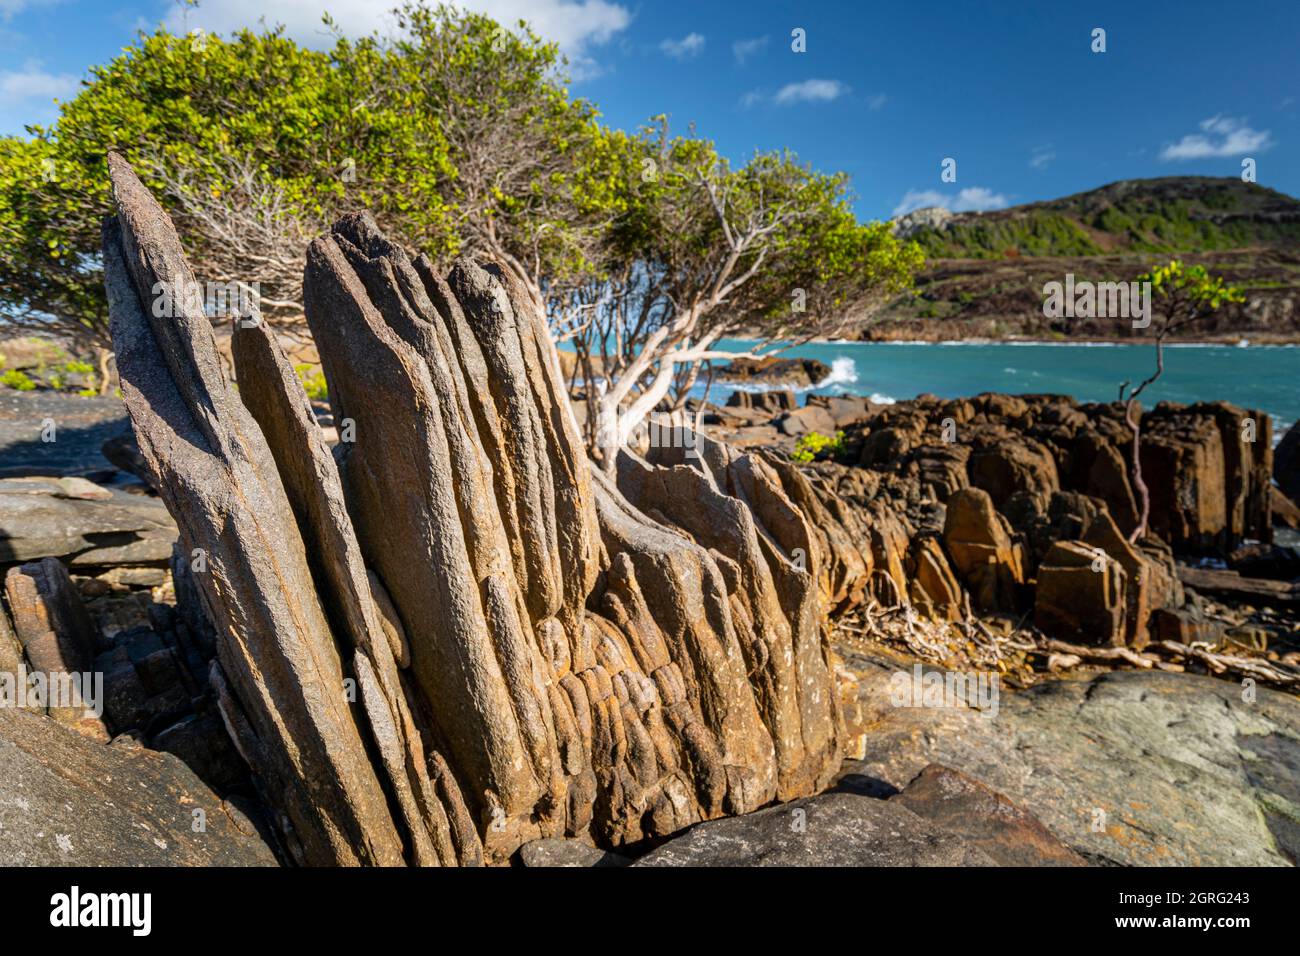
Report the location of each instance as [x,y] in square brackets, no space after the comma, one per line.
[66,800]
[831,829]
[1129,767]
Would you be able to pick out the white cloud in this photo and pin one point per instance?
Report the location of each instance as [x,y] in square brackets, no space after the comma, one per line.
[1220,136]
[810,91]
[575,25]
[33,85]
[970,199]
[1042,157]
[877,102]
[688,46]
[11,8]
[742,50]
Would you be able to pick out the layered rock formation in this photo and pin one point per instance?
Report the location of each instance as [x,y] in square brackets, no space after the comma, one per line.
[1025,504]
[447,636]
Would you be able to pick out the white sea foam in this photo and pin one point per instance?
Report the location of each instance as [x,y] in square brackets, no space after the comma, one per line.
[844,371]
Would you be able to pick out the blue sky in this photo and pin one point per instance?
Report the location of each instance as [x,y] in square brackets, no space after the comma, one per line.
[885,91]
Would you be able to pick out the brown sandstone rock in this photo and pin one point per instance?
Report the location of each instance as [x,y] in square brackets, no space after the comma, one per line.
[810,418]
[932,586]
[770,402]
[218,478]
[889,547]
[1286,462]
[578,667]
[57,635]
[1108,480]
[845,409]
[11,651]
[1286,512]
[942,468]
[1081,595]
[1010,466]
[885,445]
[270,390]
[773,369]
[736,505]
[979,542]
[845,560]
[1209,484]
[1186,627]
[1138,576]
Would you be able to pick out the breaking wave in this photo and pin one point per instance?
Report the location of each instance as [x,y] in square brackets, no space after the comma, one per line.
[844,371]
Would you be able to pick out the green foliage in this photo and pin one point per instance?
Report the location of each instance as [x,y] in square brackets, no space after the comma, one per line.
[813,445]
[17,380]
[62,377]
[525,171]
[1185,293]
[180,110]
[459,136]
[1033,234]
[678,206]
[313,382]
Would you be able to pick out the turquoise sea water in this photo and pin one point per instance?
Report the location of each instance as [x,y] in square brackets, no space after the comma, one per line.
[1263,377]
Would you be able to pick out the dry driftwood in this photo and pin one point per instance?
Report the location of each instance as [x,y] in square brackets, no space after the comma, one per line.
[1231,585]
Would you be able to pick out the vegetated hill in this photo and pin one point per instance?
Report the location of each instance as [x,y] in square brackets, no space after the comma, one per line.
[1171,214]
[985,271]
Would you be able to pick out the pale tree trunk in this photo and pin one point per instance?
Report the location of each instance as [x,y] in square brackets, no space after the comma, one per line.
[1132,417]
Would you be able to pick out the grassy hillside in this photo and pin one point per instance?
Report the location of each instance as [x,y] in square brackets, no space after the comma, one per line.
[985,271]
[1173,214]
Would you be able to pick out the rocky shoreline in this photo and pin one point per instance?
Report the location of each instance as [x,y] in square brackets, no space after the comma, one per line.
[447,640]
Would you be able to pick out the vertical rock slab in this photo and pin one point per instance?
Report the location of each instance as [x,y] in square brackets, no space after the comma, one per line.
[669,595]
[933,587]
[420,493]
[1209,468]
[11,651]
[219,481]
[845,562]
[1081,595]
[543,462]
[275,397]
[1140,576]
[736,506]
[50,618]
[979,541]
[58,640]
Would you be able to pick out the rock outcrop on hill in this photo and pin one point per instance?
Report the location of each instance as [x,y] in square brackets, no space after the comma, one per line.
[448,637]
